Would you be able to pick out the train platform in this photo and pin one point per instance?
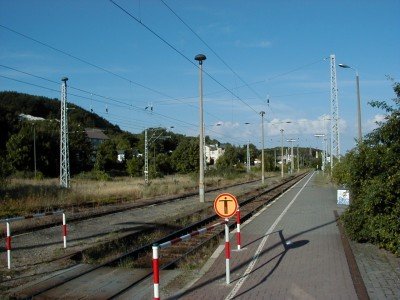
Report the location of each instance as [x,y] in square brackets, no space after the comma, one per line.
[290,250]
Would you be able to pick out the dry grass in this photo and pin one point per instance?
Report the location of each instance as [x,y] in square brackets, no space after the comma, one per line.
[23,196]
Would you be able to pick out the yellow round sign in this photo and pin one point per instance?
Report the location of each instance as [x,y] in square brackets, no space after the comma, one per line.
[225,205]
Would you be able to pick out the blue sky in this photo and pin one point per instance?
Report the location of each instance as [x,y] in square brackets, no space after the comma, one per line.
[277,50]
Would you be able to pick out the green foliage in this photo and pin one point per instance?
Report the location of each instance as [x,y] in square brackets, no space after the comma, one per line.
[371,172]
[230,158]
[185,158]
[106,158]
[94,175]
[17,138]
[134,166]
[5,171]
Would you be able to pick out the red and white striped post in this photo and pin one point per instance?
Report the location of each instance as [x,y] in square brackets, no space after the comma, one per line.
[227,253]
[8,246]
[156,273]
[156,248]
[64,230]
[238,237]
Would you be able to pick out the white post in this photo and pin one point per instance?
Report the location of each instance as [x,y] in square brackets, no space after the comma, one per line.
[8,246]
[64,229]
[156,274]
[238,237]
[227,253]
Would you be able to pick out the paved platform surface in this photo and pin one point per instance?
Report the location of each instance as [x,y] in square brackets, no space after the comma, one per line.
[380,271]
[292,250]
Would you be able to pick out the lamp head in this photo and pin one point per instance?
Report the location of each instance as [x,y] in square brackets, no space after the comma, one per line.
[200,58]
[344,66]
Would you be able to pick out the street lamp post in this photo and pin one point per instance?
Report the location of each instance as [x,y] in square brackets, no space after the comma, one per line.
[200,58]
[358,100]
[262,113]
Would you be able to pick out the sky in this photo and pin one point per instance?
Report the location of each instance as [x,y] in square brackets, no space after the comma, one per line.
[273,56]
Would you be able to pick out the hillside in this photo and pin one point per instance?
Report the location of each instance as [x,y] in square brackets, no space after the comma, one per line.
[13,103]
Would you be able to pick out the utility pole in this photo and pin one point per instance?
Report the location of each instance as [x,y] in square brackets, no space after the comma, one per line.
[298,159]
[147,143]
[282,153]
[248,156]
[64,149]
[262,113]
[200,58]
[34,147]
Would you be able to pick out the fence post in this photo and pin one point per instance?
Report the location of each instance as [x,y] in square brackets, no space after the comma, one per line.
[227,253]
[8,246]
[64,230]
[156,274]
[238,237]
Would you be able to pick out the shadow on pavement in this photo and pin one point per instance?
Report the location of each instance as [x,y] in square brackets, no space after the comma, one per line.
[281,255]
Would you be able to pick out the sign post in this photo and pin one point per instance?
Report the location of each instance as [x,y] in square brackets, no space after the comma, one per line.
[226,205]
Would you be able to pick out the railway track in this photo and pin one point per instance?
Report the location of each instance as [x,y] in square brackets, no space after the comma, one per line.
[108,280]
[78,215]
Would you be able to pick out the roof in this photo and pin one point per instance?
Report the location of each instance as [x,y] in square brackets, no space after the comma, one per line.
[30,118]
[95,133]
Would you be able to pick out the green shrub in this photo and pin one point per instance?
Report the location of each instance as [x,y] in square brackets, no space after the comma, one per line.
[371,173]
[94,175]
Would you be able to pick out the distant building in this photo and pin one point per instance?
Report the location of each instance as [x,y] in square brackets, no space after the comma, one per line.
[257,162]
[121,155]
[96,136]
[30,118]
[212,153]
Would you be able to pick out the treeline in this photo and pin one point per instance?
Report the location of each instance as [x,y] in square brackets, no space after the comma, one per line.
[168,152]
[372,173]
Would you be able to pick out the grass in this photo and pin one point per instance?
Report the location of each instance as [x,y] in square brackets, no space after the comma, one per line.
[26,196]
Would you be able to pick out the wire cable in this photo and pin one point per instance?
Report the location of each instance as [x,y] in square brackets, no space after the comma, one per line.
[181,54]
[211,49]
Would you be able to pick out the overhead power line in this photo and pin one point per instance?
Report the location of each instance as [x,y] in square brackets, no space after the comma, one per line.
[87,62]
[92,93]
[181,54]
[131,106]
[212,50]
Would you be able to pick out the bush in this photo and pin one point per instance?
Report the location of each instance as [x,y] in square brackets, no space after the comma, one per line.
[371,173]
[94,175]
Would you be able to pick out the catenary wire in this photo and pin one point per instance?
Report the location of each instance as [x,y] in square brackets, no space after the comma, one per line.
[212,50]
[182,55]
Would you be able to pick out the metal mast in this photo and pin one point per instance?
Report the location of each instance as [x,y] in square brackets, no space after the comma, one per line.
[64,150]
[248,156]
[146,158]
[335,142]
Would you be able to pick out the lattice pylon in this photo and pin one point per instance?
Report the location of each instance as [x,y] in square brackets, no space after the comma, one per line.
[335,141]
[64,149]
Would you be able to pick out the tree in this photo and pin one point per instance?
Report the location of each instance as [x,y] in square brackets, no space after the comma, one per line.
[230,158]
[371,172]
[163,163]
[19,150]
[80,150]
[134,166]
[185,158]
[106,157]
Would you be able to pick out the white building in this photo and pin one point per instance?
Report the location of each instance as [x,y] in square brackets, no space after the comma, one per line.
[212,153]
